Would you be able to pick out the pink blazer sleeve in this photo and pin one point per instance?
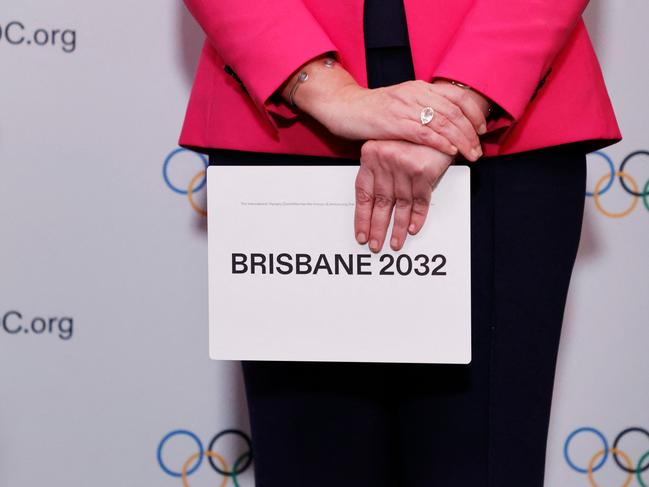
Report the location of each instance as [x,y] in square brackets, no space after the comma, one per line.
[504,48]
[263,41]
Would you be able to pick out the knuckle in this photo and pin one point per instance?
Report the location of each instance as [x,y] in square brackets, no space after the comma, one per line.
[383,201]
[442,121]
[363,196]
[368,149]
[403,202]
[452,96]
[419,204]
[384,151]
[402,160]
[454,112]
[418,169]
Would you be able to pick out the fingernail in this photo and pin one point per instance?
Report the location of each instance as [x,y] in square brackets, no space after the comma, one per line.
[374,245]
[411,228]
[361,238]
[454,149]
[482,129]
[475,154]
[395,243]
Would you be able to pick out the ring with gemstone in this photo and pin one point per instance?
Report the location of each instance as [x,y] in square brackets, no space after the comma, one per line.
[426,115]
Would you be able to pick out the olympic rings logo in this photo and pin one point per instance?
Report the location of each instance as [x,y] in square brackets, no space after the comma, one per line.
[628,183]
[196,182]
[602,455]
[195,460]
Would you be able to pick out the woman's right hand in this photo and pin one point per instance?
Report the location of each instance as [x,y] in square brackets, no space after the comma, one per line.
[395,180]
[349,110]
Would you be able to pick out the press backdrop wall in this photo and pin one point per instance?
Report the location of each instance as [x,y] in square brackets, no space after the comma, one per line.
[104,374]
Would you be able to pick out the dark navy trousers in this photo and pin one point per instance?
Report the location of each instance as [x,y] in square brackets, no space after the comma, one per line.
[412,425]
[416,425]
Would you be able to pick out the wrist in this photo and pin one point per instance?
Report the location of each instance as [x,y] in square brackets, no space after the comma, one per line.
[317,85]
[291,82]
[334,108]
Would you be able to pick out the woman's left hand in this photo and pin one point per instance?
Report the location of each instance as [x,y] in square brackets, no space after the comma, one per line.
[399,175]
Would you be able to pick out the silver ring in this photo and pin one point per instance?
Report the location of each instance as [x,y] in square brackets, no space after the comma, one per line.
[426,115]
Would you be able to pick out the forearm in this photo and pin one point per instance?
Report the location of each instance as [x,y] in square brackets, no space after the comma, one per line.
[329,94]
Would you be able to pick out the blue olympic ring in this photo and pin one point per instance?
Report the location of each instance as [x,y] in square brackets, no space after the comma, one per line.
[611,177]
[167,160]
[170,435]
[566,446]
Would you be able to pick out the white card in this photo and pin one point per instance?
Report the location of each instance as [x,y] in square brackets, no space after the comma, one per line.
[288,281]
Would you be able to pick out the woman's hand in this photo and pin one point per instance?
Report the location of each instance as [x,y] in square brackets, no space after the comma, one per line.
[348,110]
[393,113]
[402,160]
[395,174]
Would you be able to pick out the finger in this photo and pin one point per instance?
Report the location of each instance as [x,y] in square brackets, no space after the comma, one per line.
[416,132]
[467,104]
[445,127]
[364,189]
[421,192]
[382,208]
[402,209]
[456,116]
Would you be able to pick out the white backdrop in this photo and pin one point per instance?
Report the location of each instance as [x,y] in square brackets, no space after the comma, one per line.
[103,282]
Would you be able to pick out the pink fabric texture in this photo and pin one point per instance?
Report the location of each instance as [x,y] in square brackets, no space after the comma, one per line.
[534,58]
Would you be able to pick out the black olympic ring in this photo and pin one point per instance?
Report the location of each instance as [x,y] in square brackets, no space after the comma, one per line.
[234,471]
[617,440]
[624,185]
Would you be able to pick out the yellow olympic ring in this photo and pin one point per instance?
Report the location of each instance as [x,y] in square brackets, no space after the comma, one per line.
[629,464]
[634,202]
[194,456]
[190,192]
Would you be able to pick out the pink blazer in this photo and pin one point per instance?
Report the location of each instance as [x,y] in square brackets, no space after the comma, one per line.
[532,57]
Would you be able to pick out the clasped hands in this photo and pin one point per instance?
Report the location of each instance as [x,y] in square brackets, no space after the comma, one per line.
[402,159]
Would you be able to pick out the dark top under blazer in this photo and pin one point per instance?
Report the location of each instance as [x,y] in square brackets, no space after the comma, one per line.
[385,24]
[387,47]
